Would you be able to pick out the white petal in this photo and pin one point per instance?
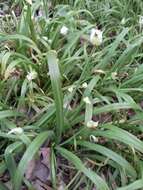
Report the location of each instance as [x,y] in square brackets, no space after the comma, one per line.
[93,138]
[99,35]
[141,20]
[96,37]
[64,30]
[70,89]
[45,38]
[92,124]
[114,75]
[92,34]
[84,85]
[31,75]
[123,21]
[87,100]
[99,71]
[17,130]
[29,1]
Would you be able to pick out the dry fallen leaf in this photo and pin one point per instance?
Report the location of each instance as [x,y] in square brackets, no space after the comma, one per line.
[41,186]
[41,172]
[38,170]
[45,156]
[30,168]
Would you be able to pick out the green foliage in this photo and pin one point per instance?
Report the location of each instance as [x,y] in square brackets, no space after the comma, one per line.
[54,84]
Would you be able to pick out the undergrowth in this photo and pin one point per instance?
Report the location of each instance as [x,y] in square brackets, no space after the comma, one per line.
[83,98]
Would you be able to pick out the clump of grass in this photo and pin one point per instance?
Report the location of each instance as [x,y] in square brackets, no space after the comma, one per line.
[82,94]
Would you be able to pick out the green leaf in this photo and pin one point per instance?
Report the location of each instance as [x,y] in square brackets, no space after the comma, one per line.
[128,55]
[2,167]
[57,91]
[112,107]
[9,158]
[53,168]
[121,135]
[28,155]
[112,49]
[3,187]
[104,109]
[110,154]
[88,112]
[28,41]
[138,184]
[45,117]
[97,180]
[8,113]
[91,85]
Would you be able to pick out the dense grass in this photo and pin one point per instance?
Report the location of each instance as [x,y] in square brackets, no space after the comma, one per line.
[84,99]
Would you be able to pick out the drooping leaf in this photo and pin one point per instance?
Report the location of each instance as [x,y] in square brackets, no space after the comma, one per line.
[96,179]
[28,155]
[111,155]
[138,184]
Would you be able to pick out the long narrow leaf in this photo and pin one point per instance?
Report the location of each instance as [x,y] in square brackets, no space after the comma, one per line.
[57,91]
[9,158]
[8,113]
[110,154]
[28,155]
[138,184]
[121,135]
[3,187]
[97,180]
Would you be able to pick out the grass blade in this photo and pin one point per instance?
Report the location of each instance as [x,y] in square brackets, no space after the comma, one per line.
[97,180]
[110,154]
[3,187]
[138,184]
[122,135]
[9,159]
[28,155]
[112,49]
[8,113]
[57,91]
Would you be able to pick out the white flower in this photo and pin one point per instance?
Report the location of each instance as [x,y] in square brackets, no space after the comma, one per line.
[64,30]
[114,75]
[70,89]
[45,38]
[84,85]
[123,21]
[122,121]
[66,106]
[96,37]
[92,124]
[31,75]
[87,100]
[99,71]
[93,138]
[29,1]
[141,21]
[17,130]
[50,41]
